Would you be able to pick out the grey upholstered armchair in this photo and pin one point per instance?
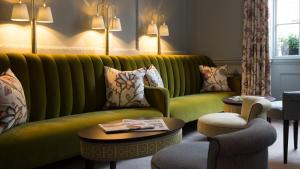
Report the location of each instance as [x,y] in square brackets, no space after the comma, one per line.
[244,149]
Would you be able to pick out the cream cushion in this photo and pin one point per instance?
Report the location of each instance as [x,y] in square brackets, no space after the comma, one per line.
[125,88]
[220,123]
[276,110]
[153,78]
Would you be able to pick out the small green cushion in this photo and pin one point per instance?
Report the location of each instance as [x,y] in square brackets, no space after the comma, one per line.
[47,141]
[191,107]
[220,123]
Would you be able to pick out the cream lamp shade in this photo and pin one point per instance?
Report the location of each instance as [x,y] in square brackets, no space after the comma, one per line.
[44,14]
[115,24]
[152,29]
[98,22]
[20,12]
[164,30]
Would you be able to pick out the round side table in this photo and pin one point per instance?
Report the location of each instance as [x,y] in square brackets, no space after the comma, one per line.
[235,106]
[96,145]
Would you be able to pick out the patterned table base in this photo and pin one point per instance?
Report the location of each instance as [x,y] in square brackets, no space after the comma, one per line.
[123,151]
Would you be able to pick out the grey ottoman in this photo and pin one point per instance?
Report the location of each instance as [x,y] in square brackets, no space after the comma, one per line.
[175,156]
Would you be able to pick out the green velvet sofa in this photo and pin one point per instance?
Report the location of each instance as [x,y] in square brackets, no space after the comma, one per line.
[66,93]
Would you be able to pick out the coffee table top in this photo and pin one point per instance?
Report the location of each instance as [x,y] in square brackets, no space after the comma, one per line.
[97,135]
[239,103]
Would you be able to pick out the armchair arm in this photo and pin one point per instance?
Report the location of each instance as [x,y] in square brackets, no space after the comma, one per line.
[234,82]
[158,98]
[258,135]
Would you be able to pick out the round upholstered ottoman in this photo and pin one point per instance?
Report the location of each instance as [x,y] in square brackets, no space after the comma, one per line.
[220,123]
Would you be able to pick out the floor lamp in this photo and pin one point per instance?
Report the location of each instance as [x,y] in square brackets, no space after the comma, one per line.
[20,14]
[112,25]
[162,31]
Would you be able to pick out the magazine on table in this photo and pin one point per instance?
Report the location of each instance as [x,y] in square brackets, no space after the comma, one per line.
[239,98]
[135,125]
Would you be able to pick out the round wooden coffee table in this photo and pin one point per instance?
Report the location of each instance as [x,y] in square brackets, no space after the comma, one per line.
[96,145]
[235,106]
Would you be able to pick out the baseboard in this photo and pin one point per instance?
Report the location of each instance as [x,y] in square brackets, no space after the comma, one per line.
[234,64]
[228,61]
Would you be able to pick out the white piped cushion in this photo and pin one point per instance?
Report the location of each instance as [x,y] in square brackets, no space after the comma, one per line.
[276,110]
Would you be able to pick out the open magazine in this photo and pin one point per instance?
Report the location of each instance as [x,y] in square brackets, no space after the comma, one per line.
[135,125]
[238,98]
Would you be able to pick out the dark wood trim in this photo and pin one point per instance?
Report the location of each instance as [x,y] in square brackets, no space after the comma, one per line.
[89,164]
[285,140]
[295,134]
[113,165]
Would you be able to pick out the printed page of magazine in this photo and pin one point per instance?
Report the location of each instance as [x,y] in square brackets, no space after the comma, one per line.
[158,124]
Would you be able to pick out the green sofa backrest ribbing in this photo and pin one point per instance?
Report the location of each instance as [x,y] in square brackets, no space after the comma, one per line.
[61,85]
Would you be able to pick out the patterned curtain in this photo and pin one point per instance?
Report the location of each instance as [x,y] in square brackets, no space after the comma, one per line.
[256,78]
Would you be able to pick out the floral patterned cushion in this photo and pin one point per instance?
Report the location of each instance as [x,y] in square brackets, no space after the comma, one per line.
[125,88]
[13,110]
[215,79]
[153,78]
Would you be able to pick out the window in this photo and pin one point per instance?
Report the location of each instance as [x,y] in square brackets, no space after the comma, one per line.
[284,28]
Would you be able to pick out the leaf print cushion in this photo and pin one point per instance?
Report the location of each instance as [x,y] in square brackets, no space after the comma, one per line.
[215,79]
[13,109]
[125,88]
[153,78]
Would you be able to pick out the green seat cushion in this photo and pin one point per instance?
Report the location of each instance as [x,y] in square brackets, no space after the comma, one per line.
[220,123]
[191,107]
[47,141]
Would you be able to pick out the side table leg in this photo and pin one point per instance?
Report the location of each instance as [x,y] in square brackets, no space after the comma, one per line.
[113,165]
[89,164]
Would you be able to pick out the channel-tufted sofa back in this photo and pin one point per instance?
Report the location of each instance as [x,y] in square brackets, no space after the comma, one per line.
[60,85]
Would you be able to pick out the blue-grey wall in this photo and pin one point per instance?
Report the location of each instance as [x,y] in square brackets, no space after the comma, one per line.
[215,30]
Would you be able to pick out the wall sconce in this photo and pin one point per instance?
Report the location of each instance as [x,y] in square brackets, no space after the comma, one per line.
[115,24]
[20,13]
[44,14]
[112,25]
[152,29]
[162,31]
[98,21]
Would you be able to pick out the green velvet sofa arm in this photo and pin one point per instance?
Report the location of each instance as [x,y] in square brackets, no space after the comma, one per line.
[234,83]
[158,98]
